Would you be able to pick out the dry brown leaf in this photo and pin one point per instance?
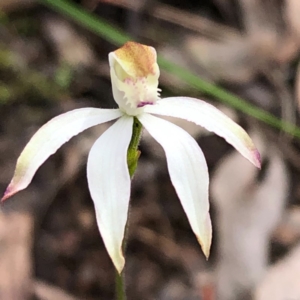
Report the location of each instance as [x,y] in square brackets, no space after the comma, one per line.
[229,60]
[292,13]
[71,47]
[288,231]
[248,211]
[15,259]
[239,57]
[10,5]
[297,86]
[282,281]
[47,292]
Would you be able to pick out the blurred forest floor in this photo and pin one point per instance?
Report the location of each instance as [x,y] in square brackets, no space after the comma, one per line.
[49,242]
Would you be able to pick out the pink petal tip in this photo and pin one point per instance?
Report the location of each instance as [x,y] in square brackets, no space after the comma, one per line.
[257,159]
[8,193]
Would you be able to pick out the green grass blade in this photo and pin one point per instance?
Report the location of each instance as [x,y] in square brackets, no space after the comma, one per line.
[117,37]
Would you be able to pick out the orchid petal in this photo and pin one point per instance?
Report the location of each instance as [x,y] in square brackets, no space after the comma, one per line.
[188,173]
[49,138]
[211,118]
[109,185]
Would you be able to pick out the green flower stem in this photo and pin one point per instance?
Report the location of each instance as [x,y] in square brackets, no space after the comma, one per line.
[133,155]
[120,286]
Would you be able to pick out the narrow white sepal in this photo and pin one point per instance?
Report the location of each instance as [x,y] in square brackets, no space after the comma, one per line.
[188,172]
[109,185]
[206,115]
[50,137]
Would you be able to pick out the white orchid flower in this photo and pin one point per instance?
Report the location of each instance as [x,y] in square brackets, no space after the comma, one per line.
[134,75]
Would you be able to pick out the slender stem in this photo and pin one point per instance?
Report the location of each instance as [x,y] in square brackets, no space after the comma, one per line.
[120,286]
[133,155]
